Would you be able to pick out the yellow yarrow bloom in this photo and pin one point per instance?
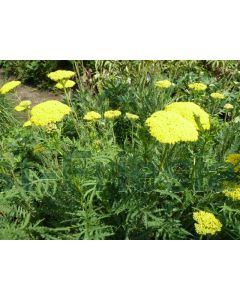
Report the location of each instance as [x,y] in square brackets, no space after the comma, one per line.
[38,148]
[163,84]
[51,127]
[7,87]
[61,75]
[217,96]
[132,117]
[233,158]
[27,124]
[232,190]
[197,86]
[171,128]
[23,105]
[228,106]
[112,114]
[65,84]
[47,112]
[192,112]
[92,116]
[207,223]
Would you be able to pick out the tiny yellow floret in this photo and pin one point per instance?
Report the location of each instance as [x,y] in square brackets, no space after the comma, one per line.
[112,114]
[163,84]
[207,223]
[65,84]
[228,106]
[197,86]
[60,75]
[217,96]
[9,86]
[23,105]
[232,190]
[92,116]
[132,117]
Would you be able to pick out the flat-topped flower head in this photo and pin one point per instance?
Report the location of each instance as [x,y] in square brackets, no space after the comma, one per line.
[206,223]
[197,86]
[163,84]
[233,158]
[232,190]
[92,116]
[228,106]
[47,112]
[171,128]
[112,114]
[61,75]
[132,117]
[23,105]
[65,84]
[217,96]
[9,86]
[192,112]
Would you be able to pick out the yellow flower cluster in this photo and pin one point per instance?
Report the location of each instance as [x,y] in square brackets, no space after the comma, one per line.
[9,86]
[92,116]
[207,223]
[197,86]
[65,84]
[228,106]
[192,112]
[23,105]
[233,158]
[47,112]
[232,190]
[217,96]
[38,148]
[112,114]
[132,117]
[170,128]
[163,84]
[61,75]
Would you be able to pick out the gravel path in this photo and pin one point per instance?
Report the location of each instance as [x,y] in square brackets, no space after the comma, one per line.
[25,92]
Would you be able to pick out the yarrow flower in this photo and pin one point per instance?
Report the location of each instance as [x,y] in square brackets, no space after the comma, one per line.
[228,106]
[171,128]
[197,86]
[92,116]
[233,158]
[163,84]
[51,127]
[23,105]
[9,86]
[192,112]
[217,96]
[65,84]
[207,223]
[61,75]
[27,124]
[38,148]
[231,190]
[47,112]
[132,117]
[112,114]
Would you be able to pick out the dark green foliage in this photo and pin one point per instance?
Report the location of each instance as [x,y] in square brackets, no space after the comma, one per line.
[108,182]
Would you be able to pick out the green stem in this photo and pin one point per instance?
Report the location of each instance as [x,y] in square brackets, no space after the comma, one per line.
[113,133]
[164,157]
[132,136]
[69,102]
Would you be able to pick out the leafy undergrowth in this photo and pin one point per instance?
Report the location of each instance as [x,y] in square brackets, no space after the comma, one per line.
[95,177]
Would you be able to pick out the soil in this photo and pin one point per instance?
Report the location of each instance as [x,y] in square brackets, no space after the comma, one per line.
[26,92]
